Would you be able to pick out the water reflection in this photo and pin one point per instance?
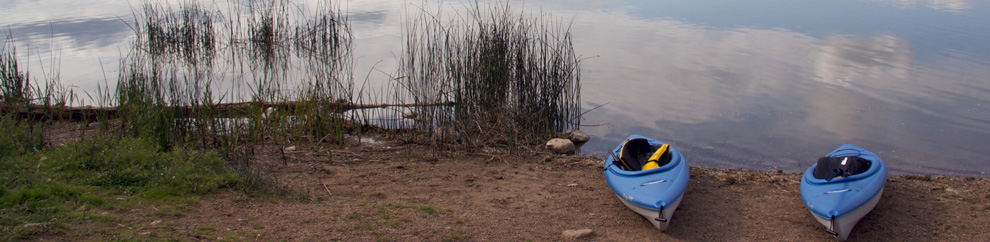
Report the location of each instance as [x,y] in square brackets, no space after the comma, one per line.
[80,33]
[843,59]
[947,5]
[771,98]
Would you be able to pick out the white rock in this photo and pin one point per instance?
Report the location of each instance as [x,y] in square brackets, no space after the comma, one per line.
[408,114]
[561,146]
[268,112]
[577,233]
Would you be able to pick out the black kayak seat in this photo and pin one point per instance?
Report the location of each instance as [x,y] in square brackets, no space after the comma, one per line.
[636,152]
[832,167]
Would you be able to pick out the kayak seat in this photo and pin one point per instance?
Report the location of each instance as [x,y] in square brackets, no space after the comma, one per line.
[832,167]
[638,152]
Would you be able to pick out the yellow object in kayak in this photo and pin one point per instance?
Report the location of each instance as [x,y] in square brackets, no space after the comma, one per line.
[655,159]
[651,165]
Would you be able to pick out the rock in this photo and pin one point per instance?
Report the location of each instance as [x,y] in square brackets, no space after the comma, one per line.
[156,222]
[953,191]
[408,114]
[578,136]
[268,112]
[577,233]
[290,148]
[561,146]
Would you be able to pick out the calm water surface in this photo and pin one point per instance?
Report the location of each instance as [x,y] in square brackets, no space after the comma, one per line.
[762,84]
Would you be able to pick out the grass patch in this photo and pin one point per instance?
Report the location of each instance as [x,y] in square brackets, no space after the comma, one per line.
[355,215]
[456,235]
[205,229]
[392,223]
[918,177]
[44,191]
[427,209]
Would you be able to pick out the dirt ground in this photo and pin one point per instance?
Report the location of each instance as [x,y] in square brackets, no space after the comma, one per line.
[407,192]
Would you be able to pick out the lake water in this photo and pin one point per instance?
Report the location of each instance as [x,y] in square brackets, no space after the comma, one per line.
[761,84]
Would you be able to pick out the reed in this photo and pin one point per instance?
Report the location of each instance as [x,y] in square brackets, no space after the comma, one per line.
[325,42]
[15,84]
[187,33]
[19,93]
[168,91]
[514,79]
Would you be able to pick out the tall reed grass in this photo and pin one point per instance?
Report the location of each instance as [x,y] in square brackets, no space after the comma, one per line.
[14,83]
[173,65]
[30,100]
[187,32]
[514,78]
[188,63]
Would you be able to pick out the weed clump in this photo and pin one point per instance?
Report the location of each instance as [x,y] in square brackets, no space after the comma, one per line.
[513,79]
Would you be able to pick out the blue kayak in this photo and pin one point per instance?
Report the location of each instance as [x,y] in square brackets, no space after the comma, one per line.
[842,187]
[649,177]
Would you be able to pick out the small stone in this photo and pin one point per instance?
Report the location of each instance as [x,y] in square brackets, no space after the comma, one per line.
[572,185]
[577,233]
[578,136]
[409,114]
[953,191]
[156,222]
[561,146]
[290,148]
[268,112]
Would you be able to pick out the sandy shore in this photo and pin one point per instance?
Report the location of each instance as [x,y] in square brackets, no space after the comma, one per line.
[411,193]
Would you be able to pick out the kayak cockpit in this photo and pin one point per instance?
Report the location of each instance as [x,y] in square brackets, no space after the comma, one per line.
[638,154]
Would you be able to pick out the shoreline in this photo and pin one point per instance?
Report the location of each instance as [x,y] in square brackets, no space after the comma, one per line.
[407,192]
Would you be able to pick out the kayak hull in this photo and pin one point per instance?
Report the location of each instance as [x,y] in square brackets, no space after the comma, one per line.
[653,194]
[844,225]
[841,202]
[659,220]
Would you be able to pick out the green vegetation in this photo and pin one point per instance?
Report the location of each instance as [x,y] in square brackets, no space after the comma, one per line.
[205,229]
[43,191]
[918,177]
[456,235]
[427,209]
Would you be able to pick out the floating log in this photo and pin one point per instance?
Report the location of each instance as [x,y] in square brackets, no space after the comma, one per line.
[242,109]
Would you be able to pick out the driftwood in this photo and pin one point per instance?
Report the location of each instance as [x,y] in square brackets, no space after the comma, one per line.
[242,109]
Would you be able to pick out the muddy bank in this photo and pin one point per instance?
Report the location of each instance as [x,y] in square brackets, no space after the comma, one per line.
[410,193]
